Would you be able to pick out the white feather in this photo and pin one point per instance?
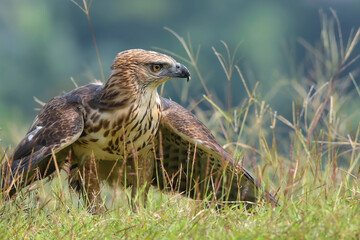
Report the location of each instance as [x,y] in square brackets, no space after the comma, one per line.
[32,133]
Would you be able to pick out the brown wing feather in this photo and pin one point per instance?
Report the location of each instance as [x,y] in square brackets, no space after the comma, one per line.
[187,144]
[59,124]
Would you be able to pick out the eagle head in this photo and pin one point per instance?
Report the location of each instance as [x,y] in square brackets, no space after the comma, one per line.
[147,68]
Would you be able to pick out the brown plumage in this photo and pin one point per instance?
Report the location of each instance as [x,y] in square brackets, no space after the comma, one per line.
[124,132]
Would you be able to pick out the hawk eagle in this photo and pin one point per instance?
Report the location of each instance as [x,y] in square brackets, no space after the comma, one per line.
[124,132]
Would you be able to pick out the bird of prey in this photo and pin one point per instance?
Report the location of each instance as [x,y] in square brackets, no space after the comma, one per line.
[123,132]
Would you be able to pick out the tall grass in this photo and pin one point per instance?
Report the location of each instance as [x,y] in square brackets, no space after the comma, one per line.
[321,137]
[316,178]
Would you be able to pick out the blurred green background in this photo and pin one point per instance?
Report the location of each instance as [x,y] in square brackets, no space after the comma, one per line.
[43,43]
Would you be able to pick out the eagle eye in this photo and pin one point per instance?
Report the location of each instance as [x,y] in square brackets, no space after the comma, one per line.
[156,67]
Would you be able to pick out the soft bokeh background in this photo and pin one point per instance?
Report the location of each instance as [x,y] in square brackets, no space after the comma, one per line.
[45,43]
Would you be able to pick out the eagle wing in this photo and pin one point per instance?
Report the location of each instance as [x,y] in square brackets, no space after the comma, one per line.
[58,125]
[192,162]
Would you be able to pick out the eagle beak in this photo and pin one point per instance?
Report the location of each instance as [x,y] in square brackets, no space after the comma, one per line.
[180,72]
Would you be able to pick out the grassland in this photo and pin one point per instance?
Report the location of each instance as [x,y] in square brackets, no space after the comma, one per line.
[315,215]
[316,179]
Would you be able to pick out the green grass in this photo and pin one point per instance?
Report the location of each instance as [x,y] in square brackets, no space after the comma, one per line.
[314,215]
[313,168]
